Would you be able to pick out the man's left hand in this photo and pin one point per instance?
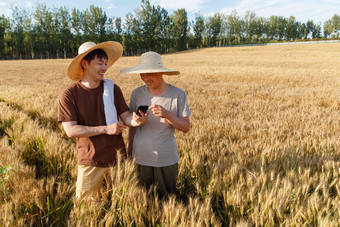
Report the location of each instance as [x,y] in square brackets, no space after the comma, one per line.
[159,111]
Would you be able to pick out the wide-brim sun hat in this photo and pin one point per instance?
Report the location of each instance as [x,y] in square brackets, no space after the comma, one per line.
[114,51]
[150,62]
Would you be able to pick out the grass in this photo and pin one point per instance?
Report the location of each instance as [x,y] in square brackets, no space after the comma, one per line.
[263,149]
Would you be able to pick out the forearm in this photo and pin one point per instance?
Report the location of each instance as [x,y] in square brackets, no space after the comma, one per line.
[132,119]
[128,120]
[181,124]
[131,137]
[85,131]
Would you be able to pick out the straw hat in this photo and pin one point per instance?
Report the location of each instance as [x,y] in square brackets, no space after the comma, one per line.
[150,62]
[114,51]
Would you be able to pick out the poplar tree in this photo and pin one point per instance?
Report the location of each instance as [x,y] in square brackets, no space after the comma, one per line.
[198,30]
[4,26]
[180,29]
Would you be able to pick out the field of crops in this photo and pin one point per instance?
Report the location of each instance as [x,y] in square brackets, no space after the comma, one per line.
[263,149]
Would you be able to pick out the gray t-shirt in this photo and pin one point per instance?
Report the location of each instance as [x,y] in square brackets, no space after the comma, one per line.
[154,143]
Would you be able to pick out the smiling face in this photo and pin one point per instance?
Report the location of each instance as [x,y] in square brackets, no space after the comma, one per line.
[154,81]
[95,69]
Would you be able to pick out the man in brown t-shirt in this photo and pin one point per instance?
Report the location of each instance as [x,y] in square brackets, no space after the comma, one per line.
[83,114]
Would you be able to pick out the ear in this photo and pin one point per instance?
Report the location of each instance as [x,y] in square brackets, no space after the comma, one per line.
[84,63]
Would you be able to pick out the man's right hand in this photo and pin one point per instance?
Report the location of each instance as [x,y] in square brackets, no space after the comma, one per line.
[115,129]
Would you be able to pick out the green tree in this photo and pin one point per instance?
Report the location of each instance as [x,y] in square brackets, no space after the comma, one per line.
[198,29]
[303,31]
[77,32]
[180,28]
[310,27]
[99,18]
[93,24]
[118,29]
[63,30]
[17,32]
[250,23]
[30,36]
[272,27]
[214,26]
[43,27]
[260,27]
[129,38]
[292,28]
[114,29]
[314,30]
[59,32]
[234,28]
[336,25]
[4,26]
[317,31]
[166,32]
[110,29]
[138,44]
[281,27]
[332,26]
[327,28]
[150,21]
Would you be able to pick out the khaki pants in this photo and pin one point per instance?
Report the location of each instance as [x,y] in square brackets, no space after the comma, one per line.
[163,177]
[90,179]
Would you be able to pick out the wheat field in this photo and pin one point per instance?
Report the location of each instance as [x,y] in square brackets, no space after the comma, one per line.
[263,148]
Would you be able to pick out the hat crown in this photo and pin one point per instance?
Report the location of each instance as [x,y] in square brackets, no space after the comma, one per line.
[150,62]
[113,50]
[151,59]
[85,46]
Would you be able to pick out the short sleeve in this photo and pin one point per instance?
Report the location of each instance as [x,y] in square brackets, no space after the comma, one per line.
[133,107]
[67,109]
[120,103]
[183,106]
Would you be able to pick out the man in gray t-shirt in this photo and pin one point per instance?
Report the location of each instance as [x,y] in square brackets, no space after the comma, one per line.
[153,144]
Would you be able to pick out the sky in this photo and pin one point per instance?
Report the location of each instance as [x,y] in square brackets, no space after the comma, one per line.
[303,10]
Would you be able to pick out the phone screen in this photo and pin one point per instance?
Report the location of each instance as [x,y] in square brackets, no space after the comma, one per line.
[143,109]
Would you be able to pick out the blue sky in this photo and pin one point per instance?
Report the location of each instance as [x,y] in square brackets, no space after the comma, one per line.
[317,10]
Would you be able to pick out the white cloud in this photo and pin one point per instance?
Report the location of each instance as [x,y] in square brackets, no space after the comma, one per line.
[111,6]
[16,4]
[2,10]
[302,10]
[189,5]
[318,11]
[29,4]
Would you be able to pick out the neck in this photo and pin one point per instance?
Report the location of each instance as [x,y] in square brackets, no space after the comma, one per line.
[90,83]
[159,90]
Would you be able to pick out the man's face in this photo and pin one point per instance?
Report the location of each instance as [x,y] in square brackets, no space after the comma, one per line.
[152,80]
[95,69]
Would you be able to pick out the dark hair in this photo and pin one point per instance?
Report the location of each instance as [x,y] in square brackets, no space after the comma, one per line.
[100,53]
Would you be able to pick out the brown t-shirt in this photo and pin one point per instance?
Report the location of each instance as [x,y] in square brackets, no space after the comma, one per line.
[86,106]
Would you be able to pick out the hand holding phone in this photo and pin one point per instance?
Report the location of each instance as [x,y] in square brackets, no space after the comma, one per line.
[143,108]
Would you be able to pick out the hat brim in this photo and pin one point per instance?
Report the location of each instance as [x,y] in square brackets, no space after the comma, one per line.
[138,69]
[114,51]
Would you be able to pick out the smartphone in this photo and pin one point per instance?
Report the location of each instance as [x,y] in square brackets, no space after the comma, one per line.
[143,109]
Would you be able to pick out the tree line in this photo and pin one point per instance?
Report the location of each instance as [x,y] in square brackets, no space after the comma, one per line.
[58,32]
